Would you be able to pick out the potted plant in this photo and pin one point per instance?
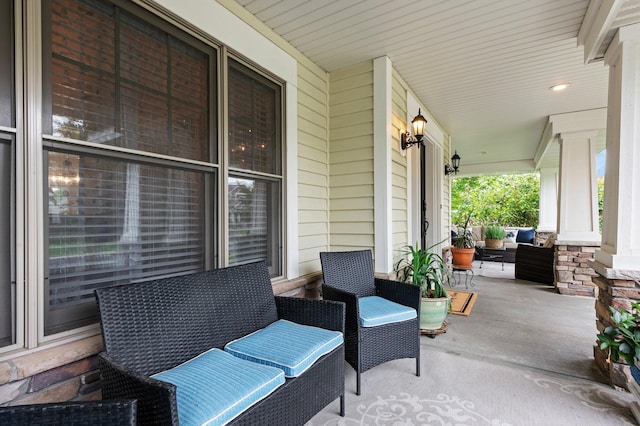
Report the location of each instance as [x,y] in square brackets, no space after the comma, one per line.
[493,236]
[622,340]
[463,247]
[428,270]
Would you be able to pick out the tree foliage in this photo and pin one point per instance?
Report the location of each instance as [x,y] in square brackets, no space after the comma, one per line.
[506,200]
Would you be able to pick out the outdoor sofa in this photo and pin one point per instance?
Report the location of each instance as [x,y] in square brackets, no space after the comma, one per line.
[150,328]
[514,237]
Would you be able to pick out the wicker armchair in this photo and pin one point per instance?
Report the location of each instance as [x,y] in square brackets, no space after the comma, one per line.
[349,276]
[151,327]
[89,413]
[535,264]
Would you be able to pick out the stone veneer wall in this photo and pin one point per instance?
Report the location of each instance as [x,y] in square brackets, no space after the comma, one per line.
[618,290]
[70,372]
[573,272]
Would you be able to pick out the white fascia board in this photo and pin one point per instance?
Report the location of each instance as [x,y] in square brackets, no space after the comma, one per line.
[593,119]
[596,25]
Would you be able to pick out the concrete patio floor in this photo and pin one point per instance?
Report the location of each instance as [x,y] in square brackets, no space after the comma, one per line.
[525,324]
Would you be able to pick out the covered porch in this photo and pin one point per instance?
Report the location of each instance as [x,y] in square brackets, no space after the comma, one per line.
[347,78]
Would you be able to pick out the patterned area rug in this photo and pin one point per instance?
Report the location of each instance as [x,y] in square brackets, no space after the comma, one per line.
[456,391]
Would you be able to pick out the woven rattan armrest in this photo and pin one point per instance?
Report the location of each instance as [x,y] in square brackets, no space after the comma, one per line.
[352,313]
[402,293]
[156,399]
[102,413]
[319,313]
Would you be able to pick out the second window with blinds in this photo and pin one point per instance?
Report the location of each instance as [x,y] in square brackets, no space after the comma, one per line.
[255,169]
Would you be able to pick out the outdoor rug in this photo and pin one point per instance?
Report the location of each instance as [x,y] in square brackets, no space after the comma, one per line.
[462,301]
[455,391]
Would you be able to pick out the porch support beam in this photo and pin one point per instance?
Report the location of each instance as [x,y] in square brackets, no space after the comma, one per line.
[578,194]
[382,149]
[621,231]
[577,132]
[548,208]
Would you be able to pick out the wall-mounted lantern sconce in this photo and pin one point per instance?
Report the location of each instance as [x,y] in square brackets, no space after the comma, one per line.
[455,161]
[419,123]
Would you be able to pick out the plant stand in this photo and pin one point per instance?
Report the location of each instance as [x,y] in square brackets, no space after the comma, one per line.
[434,333]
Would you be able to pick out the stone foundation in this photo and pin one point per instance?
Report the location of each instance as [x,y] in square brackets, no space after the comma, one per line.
[63,373]
[573,272]
[616,289]
[69,372]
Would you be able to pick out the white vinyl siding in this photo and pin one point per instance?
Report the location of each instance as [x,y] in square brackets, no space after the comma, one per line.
[313,169]
[351,158]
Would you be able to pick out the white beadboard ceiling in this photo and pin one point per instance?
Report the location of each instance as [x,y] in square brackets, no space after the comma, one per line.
[483,68]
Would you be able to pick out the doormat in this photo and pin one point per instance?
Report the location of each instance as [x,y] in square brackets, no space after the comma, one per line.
[462,302]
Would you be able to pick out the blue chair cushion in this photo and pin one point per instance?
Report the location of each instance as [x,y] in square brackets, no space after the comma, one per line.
[376,310]
[215,387]
[289,346]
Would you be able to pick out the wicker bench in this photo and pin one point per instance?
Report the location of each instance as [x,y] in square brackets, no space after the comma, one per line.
[150,328]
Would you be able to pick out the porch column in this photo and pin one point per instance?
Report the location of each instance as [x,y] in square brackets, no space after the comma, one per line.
[548,208]
[382,169]
[578,196]
[577,221]
[617,261]
[621,231]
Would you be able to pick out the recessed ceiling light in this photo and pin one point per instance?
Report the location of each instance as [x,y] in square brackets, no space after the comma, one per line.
[559,87]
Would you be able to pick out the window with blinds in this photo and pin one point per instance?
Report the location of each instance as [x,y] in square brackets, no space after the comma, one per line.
[7,177]
[119,216]
[255,175]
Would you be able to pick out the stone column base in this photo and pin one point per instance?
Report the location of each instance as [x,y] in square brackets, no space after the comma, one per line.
[616,289]
[573,273]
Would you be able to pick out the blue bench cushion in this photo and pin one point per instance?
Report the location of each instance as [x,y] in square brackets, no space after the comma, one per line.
[286,345]
[376,310]
[215,387]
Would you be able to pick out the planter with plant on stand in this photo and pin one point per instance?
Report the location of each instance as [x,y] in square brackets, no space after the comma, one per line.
[463,248]
[622,340]
[493,237]
[424,268]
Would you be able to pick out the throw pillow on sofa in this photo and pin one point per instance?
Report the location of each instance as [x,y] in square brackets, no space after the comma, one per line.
[526,236]
[510,237]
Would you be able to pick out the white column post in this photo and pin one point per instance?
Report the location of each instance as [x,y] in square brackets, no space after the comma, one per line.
[382,149]
[620,247]
[578,194]
[548,208]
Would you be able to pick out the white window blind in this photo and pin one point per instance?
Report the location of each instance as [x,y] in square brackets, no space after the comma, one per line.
[117,217]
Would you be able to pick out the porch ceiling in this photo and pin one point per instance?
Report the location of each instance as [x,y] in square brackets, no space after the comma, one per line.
[483,68]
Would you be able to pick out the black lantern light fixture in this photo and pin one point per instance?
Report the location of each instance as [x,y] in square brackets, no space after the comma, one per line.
[455,163]
[419,123]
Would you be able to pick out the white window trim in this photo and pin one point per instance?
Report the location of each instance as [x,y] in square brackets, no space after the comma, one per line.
[234,33]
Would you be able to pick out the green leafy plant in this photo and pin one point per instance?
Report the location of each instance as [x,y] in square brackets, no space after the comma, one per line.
[423,268]
[464,239]
[623,339]
[510,200]
[494,232]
